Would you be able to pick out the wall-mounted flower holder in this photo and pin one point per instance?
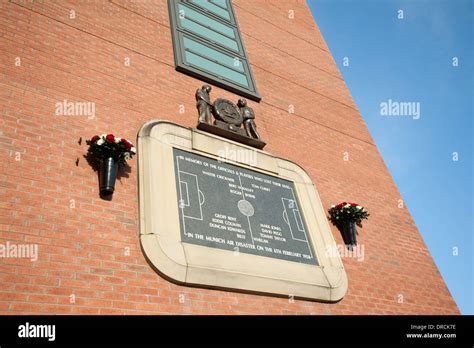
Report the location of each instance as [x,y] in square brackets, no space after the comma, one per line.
[345,216]
[108,154]
[107,176]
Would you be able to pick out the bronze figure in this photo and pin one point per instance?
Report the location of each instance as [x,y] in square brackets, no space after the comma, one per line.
[203,103]
[248,116]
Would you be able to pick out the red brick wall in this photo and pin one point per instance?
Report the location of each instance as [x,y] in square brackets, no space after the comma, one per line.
[89,247]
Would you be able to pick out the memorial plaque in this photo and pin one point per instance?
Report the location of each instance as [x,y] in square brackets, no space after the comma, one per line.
[229,207]
[218,214]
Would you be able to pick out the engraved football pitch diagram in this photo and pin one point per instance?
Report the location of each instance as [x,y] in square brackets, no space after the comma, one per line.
[228,207]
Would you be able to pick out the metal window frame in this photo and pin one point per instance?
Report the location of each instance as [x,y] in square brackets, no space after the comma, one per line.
[201,71]
[232,19]
[237,38]
[177,33]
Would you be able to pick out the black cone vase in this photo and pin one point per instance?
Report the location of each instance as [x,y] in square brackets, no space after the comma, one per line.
[349,231]
[107,175]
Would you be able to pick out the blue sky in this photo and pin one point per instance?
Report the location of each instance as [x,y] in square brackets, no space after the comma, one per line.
[411,60]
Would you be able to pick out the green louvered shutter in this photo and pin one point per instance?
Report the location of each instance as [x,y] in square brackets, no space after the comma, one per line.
[208,45]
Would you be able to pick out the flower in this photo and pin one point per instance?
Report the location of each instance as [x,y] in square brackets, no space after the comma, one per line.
[347,212]
[128,145]
[107,145]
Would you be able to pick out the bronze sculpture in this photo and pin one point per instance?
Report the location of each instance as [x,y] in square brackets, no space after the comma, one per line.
[203,103]
[235,122]
[248,116]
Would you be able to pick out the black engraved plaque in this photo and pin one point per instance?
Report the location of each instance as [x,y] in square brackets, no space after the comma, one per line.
[228,207]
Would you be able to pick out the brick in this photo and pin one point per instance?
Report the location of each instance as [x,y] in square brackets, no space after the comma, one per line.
[81,249]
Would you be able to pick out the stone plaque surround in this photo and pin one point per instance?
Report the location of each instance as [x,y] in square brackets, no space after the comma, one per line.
[196,265]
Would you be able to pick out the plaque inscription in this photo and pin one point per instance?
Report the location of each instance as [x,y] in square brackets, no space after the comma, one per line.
[228,207]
